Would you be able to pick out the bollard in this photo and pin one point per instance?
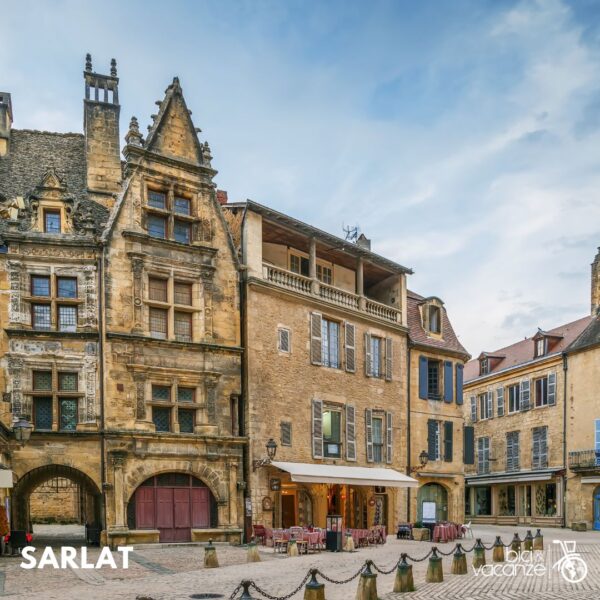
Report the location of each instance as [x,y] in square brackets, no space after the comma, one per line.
[459,562]
[538,540]
[349,545]
[367,584]
[246,592]
[435,574]
[210,556]
[292,548]
[528,542]
[404,581]
[478,554]
[252,554]
[515,545]
[498,551]
[313,589]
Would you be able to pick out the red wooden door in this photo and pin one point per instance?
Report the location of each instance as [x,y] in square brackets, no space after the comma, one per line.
[145,508]
[181,515]
[200,508]
[164,514]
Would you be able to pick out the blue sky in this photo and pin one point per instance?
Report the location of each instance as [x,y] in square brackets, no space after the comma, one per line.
[463,137]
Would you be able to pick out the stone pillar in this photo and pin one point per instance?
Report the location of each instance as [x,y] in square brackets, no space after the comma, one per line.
[140,396]
[360,285]
[233,495]
[117,460]
[596,284]
[312,265]
[137,266]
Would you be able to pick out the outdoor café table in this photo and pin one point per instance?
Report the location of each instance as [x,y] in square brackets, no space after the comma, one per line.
[444,533]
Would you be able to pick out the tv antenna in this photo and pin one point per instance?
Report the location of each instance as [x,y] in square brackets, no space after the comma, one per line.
[351,233]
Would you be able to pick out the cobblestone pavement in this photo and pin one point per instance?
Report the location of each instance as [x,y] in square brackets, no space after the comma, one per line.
[165,573]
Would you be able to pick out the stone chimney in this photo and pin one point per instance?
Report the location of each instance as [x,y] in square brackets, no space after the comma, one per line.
[101,127]
[596,285]
[364,242]
[6,119]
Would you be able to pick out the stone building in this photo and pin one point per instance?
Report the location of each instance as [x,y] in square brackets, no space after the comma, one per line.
[529,405]
[583,417]
[119,307]
[327,326]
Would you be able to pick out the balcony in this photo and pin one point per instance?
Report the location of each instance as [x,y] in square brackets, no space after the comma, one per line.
[330,294]
[584,460]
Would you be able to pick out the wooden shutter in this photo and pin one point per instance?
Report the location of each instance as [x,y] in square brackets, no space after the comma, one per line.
[368,356]
[369,433]
[350,432]
[490,404]
[350,346]
[431,439]
[423,377]
[525,395]
[552,388]
[448,441]
[388,359]
[317,428]
[316,338]
[284,340]
[459,383]
[535,449]
[473,408]
[286,433]
[543,447]
[469,445]
[388,437]
[509,451]
[448,382]
[500,401]
[480,461]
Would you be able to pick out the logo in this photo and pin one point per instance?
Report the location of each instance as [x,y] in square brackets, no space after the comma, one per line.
[69,559]
[571,566]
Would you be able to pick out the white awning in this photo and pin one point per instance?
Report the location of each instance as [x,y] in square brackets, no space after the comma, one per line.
[313,473]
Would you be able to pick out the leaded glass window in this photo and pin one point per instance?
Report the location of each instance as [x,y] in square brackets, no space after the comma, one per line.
[42,381]
[40,314]
[183,327]
[185,394]
[182,232]
[158,322]
[66,287]
[67,382]
[40,285]
[183,293]
[182,206]
[157,226]
[42,412]
[186,420]
[67,318]
[161,393]
[68,414]
[157,199]
[161,418]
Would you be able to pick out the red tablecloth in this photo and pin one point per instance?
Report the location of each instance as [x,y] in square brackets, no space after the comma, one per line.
[28,537]
[447,532]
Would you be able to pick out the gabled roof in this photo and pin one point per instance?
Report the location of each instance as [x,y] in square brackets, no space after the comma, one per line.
[419,335]
[522,352]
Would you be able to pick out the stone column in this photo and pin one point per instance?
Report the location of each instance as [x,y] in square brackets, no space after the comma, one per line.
[233,495]
[117,460]
[137,266]
[312,265]
[360,285]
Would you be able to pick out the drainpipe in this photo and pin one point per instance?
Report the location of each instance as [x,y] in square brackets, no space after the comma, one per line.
[101,334]
[408,464]
[565,371]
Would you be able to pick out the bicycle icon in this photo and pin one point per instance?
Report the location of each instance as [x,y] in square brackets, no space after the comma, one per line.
[571,566]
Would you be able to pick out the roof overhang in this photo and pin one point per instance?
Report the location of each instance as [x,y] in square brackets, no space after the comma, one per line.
[315,473]
[542,475]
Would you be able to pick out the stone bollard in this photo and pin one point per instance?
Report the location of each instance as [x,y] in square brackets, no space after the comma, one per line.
[367,584]
[528,542]
[538,540]
[435,573]
[292,548]
[478,554]
[252,554]
[498,551]
[459,562]
[313,589]
[515,545]
[404,577]
[210,556]
[349,545]
[246,591]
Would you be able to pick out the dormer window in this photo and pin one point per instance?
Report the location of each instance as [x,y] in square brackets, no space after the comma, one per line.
[541,347]
[434,319]
[484,366]
[52,221]
[169,217]
[182,206]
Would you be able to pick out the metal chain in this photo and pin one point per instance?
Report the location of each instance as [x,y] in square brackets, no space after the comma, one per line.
[342,581]
[383,571]
[446,553]
[287,596]
[469,550]
[419,559]
[235,592]
[486,547]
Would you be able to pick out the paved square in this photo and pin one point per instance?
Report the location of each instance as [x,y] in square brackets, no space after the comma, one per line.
[165,573]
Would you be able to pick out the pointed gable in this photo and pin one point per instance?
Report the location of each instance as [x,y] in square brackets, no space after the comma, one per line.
[173,133]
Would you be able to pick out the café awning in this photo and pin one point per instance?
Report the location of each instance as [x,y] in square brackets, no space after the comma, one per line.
[314,473]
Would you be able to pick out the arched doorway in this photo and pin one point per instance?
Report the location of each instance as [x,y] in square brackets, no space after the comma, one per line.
[433,492]
[37,498]
[596,505]
[173,503]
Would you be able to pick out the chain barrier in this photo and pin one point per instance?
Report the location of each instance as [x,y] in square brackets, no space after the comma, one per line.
[447,553]
[341,581]
[287,596]
[235,592]
[416,560]
[384,571]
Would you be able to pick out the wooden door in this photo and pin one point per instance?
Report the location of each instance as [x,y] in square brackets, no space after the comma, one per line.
[165,522]
[182,515]
[145,508]
[288,511]
[200,508]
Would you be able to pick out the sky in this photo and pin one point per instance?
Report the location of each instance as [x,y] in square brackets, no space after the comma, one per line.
[462,137]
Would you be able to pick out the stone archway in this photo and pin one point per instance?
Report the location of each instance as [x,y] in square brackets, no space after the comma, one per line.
[91,507]
[433,492]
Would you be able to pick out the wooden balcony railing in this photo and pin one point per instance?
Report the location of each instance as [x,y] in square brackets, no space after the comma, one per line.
[329,293]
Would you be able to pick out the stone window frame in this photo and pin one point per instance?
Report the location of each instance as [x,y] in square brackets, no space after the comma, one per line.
[56,369]
[54,300]
[173,277]
[174,404]
[199,225]
[282,330]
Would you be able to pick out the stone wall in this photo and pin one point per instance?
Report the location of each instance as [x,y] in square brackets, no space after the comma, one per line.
[56,501]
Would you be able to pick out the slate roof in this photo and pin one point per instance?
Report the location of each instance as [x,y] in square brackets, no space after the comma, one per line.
[522,352]
[588,338]
[419,335]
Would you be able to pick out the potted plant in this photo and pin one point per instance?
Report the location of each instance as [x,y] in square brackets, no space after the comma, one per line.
[420,533]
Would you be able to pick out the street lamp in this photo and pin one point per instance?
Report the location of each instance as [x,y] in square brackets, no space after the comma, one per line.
[271,452]
[22,430]
[423,460]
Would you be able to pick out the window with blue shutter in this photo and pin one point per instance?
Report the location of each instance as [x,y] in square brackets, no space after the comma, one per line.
[473,408]
[448,382]
[448,441]
[500,401]
[552,388]
[469,445]
[433,439]
[423,388]
[525,395]
[459,383]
